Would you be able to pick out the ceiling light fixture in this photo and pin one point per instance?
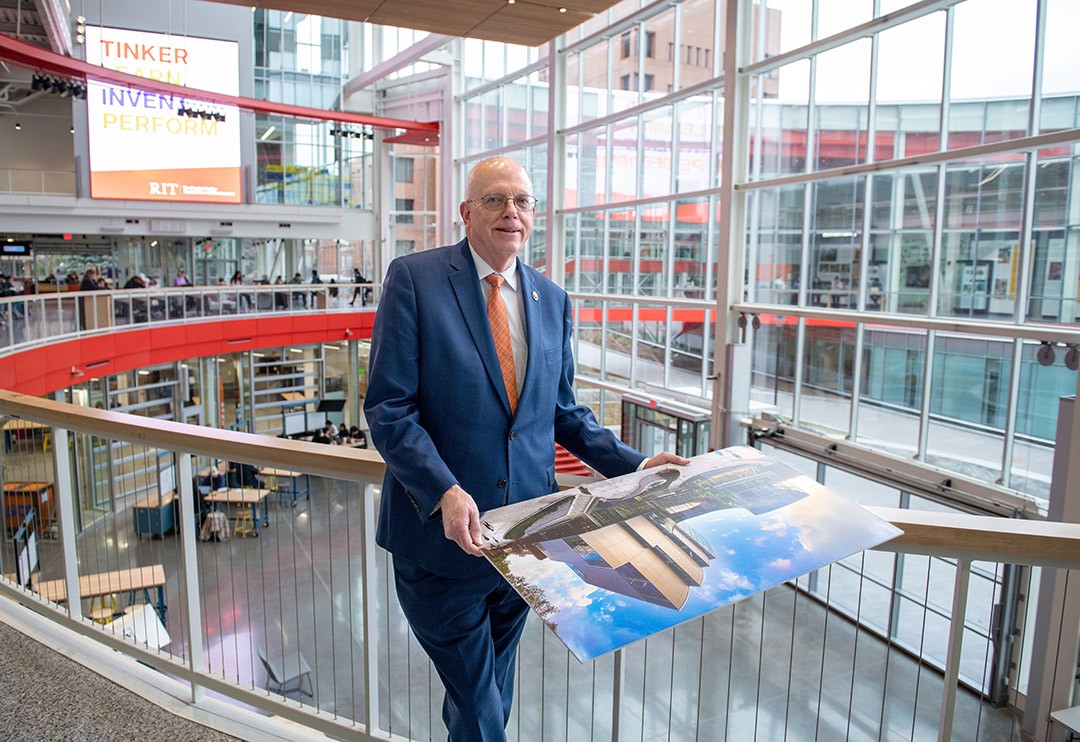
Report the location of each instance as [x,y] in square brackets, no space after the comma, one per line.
[1045,354]
[562,10]
[18,126]
[1072,358]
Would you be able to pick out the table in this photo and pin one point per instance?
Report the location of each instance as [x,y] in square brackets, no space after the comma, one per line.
[1068,718]
[121,581]
[20,497]
[246,496]
[154,514]
[294,476]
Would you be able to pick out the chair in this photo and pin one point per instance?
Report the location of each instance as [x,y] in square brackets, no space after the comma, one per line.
[291,669]
[104,608]
[245,522]
[270,482]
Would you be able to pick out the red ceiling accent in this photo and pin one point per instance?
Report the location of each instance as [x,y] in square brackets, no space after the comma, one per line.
[419,138]
[36,58]
[42,370]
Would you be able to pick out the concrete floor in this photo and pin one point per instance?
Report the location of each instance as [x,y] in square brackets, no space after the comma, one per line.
[37,706]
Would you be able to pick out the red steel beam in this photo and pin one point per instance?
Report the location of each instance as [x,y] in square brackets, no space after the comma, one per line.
[43,60]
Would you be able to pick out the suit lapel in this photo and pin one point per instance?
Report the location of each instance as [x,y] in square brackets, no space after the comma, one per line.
[471,302]
[534,328]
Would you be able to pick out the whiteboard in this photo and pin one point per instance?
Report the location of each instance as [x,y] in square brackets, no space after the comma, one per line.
[166,480]
[294,423]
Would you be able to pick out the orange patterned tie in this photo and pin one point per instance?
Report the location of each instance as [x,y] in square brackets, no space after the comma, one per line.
[500,331]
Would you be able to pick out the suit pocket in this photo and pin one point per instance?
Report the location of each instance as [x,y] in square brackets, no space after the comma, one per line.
[553,355]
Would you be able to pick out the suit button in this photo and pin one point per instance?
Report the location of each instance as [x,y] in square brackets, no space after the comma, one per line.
[501,484]
[513,434]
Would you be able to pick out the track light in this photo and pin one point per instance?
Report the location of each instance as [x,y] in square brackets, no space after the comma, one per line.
[1072,358]
[1045,354]
[58,86]
[347,131]
[204,111]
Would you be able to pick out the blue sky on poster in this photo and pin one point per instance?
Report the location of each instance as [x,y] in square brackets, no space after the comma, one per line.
[752,553]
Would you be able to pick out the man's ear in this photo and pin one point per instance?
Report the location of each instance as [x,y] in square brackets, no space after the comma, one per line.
[463,209]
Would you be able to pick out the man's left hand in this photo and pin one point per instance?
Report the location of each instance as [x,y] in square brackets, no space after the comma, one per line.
[665,458]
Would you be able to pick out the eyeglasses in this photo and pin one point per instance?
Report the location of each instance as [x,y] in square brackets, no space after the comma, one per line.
[497,202]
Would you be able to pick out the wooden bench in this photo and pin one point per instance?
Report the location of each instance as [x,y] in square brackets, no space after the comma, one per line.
[106,583]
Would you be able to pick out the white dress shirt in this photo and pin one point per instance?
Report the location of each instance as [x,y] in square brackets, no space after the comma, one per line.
[511,296]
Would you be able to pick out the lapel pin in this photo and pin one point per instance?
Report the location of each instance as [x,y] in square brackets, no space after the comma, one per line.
[536,296]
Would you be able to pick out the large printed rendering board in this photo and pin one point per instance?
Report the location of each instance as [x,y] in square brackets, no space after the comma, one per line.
[609,563]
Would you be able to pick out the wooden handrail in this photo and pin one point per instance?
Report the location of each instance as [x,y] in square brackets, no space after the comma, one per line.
[983,537]
[337,462]
[976,537]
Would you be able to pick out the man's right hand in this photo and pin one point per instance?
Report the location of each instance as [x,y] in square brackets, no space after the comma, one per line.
[461,519]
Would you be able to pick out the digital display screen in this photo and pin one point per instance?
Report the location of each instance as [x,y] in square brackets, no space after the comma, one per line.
[15,248]
[142,146]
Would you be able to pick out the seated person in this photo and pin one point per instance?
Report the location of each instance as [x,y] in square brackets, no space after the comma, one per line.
[216,480]
[137,281]
[357,437]
[320,436]
[244,476]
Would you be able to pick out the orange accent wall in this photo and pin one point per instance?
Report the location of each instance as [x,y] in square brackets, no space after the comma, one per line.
[45,369]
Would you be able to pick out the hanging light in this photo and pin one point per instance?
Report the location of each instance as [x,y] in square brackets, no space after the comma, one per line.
[1072,358]
[1045,354]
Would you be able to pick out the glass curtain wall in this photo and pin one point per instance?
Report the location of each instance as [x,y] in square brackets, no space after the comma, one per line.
[959,212]
[414,211]
[300,59]
[618,226]
[911,223]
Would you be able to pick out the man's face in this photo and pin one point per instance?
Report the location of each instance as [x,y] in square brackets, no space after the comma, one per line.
[497,236]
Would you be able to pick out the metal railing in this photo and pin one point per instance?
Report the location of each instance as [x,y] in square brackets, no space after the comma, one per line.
[37,182]
[313,585]
[57,311]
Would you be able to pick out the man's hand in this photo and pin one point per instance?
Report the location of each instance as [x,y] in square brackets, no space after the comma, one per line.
[461,519]
[664,458]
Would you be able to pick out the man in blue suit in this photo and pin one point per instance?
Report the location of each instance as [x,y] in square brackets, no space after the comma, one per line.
[462,433]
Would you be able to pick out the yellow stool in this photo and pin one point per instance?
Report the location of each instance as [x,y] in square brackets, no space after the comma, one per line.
[46,441]
[245,522]
[103,608]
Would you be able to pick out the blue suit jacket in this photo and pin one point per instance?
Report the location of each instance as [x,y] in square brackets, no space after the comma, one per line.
[438,410]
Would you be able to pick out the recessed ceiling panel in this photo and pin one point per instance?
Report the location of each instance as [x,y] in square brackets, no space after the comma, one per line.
[525,22]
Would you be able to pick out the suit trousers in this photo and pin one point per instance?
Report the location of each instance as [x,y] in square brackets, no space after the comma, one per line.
[470,629]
